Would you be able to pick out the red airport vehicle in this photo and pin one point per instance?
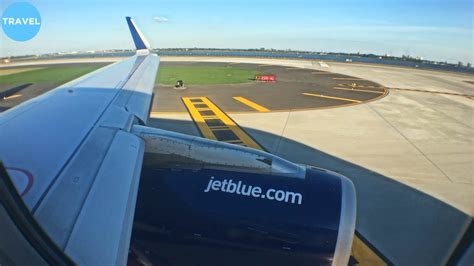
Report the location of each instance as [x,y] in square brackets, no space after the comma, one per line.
[265,77]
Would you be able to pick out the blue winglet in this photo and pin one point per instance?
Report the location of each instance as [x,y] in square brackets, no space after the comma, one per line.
[140,42]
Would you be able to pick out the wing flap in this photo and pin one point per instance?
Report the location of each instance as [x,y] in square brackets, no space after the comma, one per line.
[107,215]
[73,186]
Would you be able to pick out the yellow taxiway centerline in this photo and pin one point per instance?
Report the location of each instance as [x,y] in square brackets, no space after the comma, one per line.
[348,78]
[332,97]
[251,104]
[324,73]
[12,97]
[347,89]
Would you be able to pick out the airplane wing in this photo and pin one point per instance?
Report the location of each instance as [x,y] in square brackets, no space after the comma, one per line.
[76,154]
[73,159]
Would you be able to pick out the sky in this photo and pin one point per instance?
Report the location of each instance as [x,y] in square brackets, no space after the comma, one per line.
[440,30]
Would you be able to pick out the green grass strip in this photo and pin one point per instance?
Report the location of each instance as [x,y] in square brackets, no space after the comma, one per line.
[204,75]
[56,75]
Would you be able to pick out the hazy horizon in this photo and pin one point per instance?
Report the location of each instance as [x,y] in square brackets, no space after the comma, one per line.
[434,30]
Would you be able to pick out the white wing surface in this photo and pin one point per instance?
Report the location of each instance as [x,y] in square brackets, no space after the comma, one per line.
[73,159]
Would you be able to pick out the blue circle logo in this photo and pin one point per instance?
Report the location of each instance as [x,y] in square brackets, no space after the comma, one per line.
[21,21]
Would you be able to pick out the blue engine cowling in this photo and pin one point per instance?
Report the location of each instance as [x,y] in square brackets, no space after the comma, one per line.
[217,217]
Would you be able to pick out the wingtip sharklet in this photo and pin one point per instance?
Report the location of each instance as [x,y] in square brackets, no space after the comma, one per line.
[138,38]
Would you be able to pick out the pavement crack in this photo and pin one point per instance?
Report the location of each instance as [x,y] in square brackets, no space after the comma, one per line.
[410,142]
[277,148]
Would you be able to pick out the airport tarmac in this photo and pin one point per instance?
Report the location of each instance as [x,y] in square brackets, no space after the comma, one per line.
[296,89]
[417,140]
[416,136]
[407,146]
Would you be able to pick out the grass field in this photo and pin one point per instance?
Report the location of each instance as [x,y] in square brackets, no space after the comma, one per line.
[204,75]
[167,75]
[55,75]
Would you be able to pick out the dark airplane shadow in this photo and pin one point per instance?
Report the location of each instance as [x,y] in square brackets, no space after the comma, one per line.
[9,92]
[395,218]
[403,223]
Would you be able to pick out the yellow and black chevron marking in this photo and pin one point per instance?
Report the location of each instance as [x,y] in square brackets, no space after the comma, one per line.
[213,123]
[363,253]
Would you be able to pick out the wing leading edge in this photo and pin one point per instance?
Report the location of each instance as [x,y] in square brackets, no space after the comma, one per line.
[71,155]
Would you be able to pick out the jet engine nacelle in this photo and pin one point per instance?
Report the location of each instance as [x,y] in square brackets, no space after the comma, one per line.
[204,213]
